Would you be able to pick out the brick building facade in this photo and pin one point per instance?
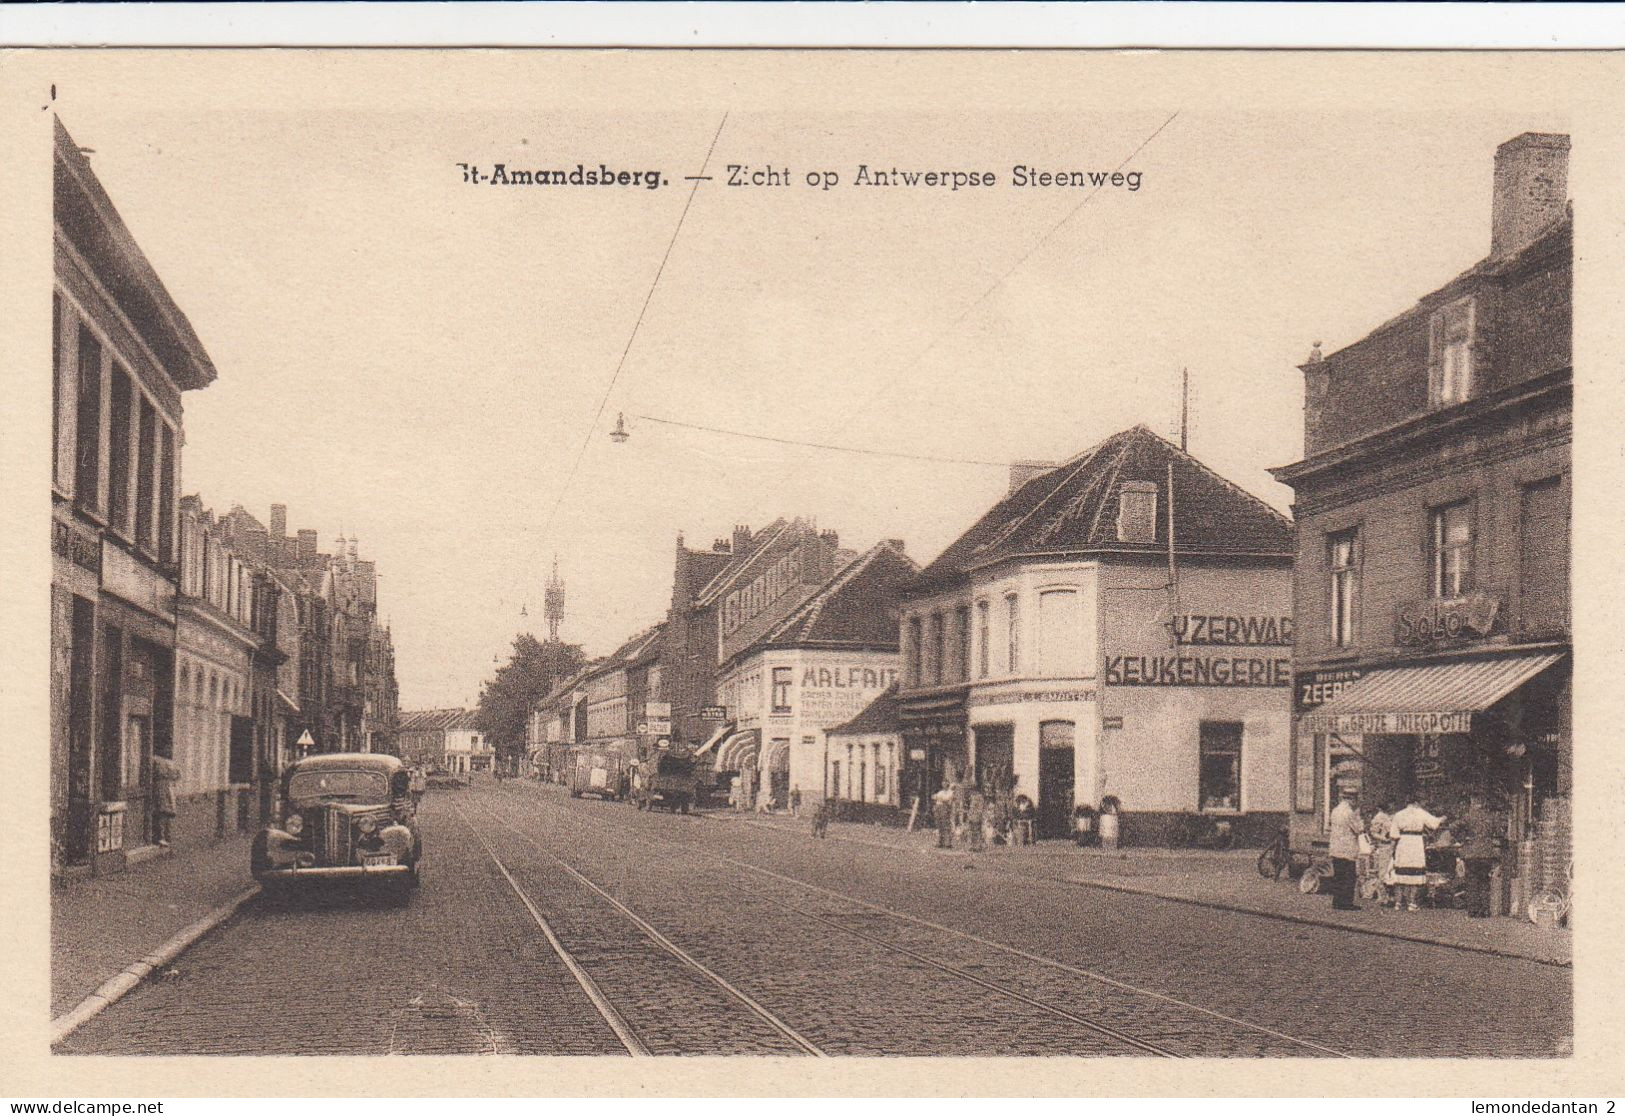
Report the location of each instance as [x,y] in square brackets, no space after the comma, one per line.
[1432,585]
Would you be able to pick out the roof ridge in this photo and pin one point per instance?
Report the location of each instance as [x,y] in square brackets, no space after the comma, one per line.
[1286,520]
[813,606]
[1083,460]
[739,561]
[1115,470]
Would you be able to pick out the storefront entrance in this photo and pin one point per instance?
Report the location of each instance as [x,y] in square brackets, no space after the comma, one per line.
[995,757]
[1056,759]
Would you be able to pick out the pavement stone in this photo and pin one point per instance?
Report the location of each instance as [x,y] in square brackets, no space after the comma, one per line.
[100,924]
[1224,879]
[857,953]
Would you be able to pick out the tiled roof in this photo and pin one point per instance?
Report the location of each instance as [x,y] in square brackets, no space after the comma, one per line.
[880,715]
[436,720]
[857,605]
[1073,509]
[739,563]
[628,652]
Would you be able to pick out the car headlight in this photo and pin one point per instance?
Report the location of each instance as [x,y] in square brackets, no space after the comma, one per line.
[369,824]
[294,825]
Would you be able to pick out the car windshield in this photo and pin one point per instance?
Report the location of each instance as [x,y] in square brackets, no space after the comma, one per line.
[347,785]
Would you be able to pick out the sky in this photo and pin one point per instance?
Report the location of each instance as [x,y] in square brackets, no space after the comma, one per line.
[417,362]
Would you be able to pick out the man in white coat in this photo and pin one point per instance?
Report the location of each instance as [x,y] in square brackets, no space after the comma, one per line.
[1347,825]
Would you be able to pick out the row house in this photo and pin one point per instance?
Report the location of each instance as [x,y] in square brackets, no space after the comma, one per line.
[558,723]
[467,749]
[123,354]
[1433,503]
[1116,631]
[422,736]
[784,688]
[348,697]
[217,748]
[725,598]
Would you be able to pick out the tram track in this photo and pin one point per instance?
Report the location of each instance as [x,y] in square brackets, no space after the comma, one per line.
[627,1024]
[1274,1041]
[1113,1035]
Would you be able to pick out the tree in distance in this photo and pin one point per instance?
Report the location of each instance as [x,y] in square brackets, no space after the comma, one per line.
[519,685]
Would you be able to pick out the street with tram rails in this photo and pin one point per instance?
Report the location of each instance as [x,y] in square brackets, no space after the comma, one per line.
[553,926]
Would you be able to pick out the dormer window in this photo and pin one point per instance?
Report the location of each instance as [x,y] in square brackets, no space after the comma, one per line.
[1450,354]
[1137,512]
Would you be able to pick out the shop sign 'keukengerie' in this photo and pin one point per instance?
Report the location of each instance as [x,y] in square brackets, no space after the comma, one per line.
[1383,724]
[1197,670]
[1422,623]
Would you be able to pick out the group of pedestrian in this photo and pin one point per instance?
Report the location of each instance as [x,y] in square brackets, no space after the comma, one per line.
[962,811]
[1390,848]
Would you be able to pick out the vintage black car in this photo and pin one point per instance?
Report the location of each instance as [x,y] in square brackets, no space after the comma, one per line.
[345,816]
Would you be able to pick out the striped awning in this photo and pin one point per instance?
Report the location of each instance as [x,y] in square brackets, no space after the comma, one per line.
[716,738]
[737,750]
[1427,698]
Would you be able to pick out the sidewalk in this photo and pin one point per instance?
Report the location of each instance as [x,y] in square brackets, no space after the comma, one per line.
[101,925]
[1222,880]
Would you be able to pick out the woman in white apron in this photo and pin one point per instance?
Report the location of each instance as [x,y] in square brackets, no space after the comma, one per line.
[1409,828]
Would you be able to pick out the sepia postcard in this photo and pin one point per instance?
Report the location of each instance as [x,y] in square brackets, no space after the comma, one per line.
[621,572]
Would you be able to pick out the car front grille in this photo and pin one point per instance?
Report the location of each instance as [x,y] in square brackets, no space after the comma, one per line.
[335,834]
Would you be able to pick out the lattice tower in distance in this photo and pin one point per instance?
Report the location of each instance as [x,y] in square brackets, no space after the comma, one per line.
[553,603]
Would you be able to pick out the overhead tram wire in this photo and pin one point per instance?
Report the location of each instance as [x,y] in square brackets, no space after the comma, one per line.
[995,285]
[822,445]
[644,309]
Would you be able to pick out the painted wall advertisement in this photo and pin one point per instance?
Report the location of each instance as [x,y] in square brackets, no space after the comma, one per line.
[836,692]
[1212,650]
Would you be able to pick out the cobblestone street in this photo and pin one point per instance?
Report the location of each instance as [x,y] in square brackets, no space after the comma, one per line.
[547,925]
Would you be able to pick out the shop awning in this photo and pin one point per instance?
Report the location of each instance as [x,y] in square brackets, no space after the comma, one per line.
[716,738]
[735,750]
[1427,698]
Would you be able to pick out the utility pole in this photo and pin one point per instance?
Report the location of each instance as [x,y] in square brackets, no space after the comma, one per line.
[1184,409]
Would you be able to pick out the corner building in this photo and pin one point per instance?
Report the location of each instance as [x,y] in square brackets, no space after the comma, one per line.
[1432,593]
[1087,640]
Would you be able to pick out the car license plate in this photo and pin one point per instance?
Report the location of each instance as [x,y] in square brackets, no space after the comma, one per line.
[378,860]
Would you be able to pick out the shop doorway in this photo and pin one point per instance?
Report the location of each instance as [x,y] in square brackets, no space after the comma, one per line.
[995,757]
[1056,763]
[779,773]
[81,734]
[137,778]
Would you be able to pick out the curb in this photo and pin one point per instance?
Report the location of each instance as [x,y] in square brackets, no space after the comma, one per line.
[115,988]
[1210,904]
[1304,920]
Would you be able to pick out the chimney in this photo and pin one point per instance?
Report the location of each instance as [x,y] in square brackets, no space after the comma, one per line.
[833,538]
[353,541]
[741,540]
[307,545]
[279,521]
[720,546]
[1531,189]
[897,545]
[1023,471]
